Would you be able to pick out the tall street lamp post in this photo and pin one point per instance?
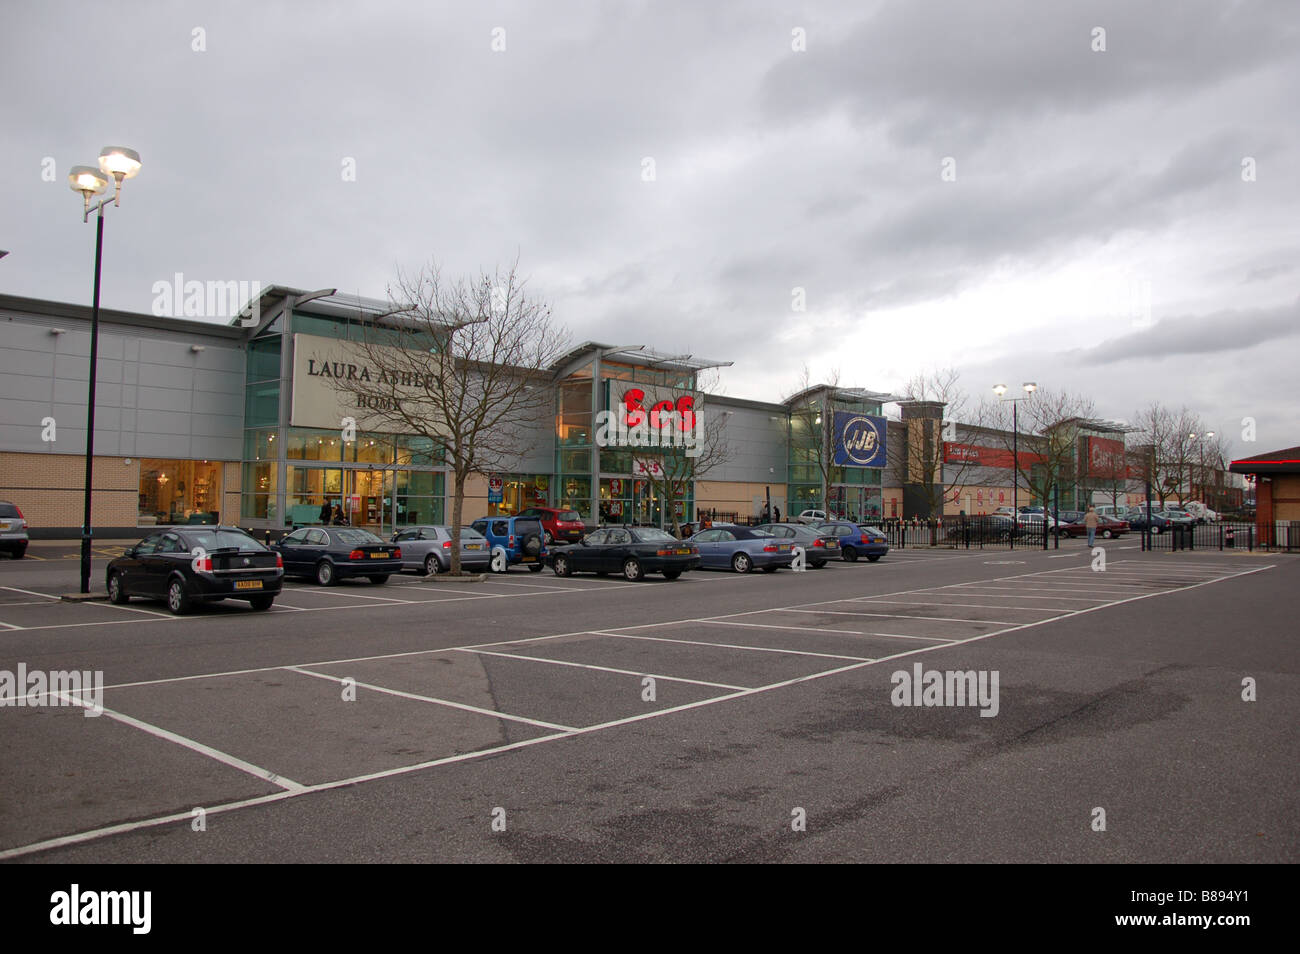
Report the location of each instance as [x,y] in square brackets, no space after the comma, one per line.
[1000,389]
[120,163]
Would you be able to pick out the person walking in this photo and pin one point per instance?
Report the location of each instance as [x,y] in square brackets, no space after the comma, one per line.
[1090,521]
[777,511]
[326,511]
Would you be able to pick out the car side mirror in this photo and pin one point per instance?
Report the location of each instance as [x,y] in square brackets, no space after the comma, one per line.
[129,552]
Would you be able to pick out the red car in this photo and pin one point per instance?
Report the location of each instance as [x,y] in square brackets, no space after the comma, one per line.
[1106,527]
[565,526]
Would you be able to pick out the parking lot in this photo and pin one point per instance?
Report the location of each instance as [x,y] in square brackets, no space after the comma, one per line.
[667,721]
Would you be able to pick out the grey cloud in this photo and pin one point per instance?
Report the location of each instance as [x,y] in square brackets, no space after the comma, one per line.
[1217,333]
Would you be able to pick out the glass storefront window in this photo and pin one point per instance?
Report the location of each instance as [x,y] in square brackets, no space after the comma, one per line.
[259,445]
[519,492]
[264,359]
[417,451]
[179,491]
[574,493]
[262,404]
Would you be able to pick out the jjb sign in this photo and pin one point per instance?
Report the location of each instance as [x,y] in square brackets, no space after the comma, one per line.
[859,440]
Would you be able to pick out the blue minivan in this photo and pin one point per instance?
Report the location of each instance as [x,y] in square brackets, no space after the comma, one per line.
[513,540]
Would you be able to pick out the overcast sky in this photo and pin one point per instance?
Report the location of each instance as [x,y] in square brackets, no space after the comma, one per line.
[1097,228]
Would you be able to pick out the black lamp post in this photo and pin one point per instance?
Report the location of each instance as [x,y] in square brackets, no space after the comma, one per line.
[1000,389]
[120,163]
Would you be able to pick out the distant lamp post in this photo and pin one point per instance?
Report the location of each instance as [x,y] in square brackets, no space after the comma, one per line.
[1199,440]
[119,163]
[1029,388]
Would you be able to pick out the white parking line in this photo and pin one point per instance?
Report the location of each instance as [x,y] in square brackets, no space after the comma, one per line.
[166,734]
[941,619]
[478,710]
[18,589]
[822,629]
[701,642]
[94,834]
[624,672]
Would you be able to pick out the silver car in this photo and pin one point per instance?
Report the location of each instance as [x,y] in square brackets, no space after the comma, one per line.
[427,549]
[13,530]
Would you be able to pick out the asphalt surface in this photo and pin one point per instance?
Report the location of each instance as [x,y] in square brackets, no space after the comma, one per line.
[524,700]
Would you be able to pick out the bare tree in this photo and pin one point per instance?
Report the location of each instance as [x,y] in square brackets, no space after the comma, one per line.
[1047,444]
[813,439]
[1180,454]
[464,362]
[668,469]
[920,459]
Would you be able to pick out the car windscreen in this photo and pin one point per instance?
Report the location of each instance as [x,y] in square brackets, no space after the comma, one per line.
[353,536]
[569,516]
[651,535]
[221,539]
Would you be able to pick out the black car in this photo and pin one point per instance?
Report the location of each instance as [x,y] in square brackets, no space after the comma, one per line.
[819,546]
[330,554]
[632,551]
[188,565]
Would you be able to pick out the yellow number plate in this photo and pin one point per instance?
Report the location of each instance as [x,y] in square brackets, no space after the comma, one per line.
[379,556]
[248,584]
[473,546]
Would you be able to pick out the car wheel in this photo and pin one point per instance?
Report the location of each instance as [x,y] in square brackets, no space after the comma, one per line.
[1106,534]
[561,567]
[818,564]
[741,563]
[536,567]
[261,603]
[178,601]
[325,574]
[116,591]
[20,552]
[379,579]
[672,574]
[632,569]
[849,554]
[874,557]
[770,569]
[432,566]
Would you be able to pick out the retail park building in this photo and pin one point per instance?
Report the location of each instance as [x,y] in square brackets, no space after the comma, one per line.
[204,421]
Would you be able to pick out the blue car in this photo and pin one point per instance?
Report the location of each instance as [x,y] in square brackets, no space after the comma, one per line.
[742,549]
[858,540]
[513,540]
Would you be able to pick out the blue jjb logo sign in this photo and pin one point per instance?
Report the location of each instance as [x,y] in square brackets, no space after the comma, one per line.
[859,440]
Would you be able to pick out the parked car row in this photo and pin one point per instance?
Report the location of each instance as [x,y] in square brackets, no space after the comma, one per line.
[188,565]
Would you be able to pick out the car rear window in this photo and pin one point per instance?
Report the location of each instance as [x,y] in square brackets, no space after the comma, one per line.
[528,525]
[649,535]
[873,531]
[221,539]
[569,516]
[467,534]
[351,536]
[8,510]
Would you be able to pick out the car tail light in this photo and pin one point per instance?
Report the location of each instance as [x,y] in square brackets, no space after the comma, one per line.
[511,541]
[279,562]
[356,555]
[771,548]
[819,543]
[446,544]
[663,553]
[204,565]
[397,554]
